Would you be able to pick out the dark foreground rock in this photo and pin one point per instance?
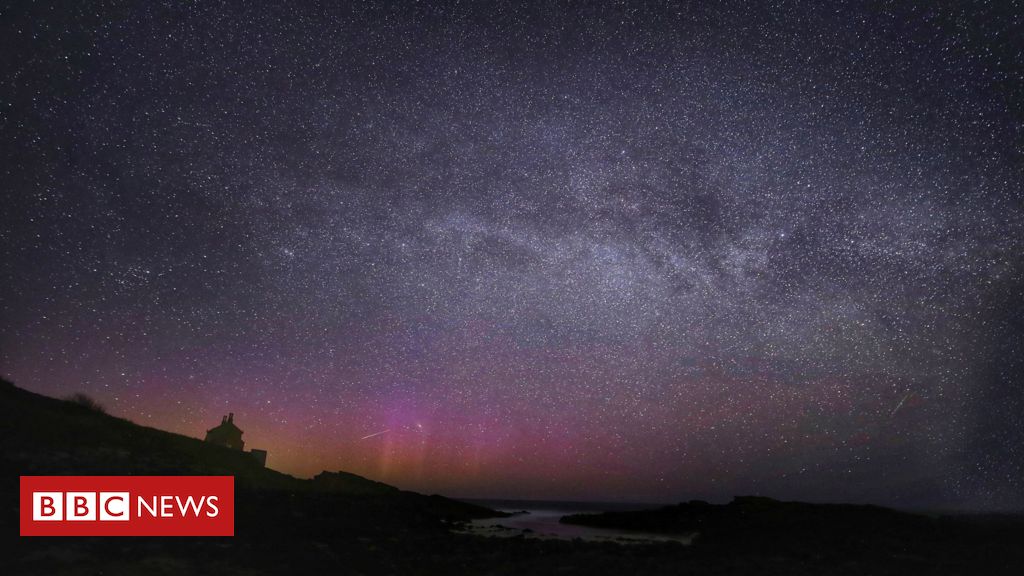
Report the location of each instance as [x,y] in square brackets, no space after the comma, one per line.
[340,523]
[836,536]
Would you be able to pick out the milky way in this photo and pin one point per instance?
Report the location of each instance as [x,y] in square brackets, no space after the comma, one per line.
[556,251]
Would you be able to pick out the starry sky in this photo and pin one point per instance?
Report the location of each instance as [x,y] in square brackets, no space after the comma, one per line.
[611,251]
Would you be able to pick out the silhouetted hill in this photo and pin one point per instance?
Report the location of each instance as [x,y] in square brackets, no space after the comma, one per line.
[348,482]
[42,435]
[748,513]
[755,525]
[46,436]
[341,523]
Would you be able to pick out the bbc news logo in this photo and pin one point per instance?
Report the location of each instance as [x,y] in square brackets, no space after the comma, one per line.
[127,505]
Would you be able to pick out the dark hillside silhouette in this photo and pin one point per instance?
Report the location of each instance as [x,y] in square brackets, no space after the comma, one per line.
[341,523]
[41,435]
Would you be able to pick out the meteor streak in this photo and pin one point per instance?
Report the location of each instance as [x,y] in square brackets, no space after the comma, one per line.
[900,405]
[375,434]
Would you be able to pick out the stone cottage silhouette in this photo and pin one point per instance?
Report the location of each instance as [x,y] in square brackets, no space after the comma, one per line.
[227,434]
[230,436]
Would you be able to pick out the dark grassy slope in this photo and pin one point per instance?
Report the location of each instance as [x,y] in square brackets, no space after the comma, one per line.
[343,524]
[751,513]
[758,525]
[46,436]
[880,538]
[41,435]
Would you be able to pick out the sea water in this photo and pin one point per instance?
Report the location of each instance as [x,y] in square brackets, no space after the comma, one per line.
[541,520]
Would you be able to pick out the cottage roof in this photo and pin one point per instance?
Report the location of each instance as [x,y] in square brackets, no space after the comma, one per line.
[226,426]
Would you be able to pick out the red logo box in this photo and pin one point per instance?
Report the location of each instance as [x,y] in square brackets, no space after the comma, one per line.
[127,505]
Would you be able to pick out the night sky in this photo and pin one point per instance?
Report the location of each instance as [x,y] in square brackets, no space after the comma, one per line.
[631,252]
